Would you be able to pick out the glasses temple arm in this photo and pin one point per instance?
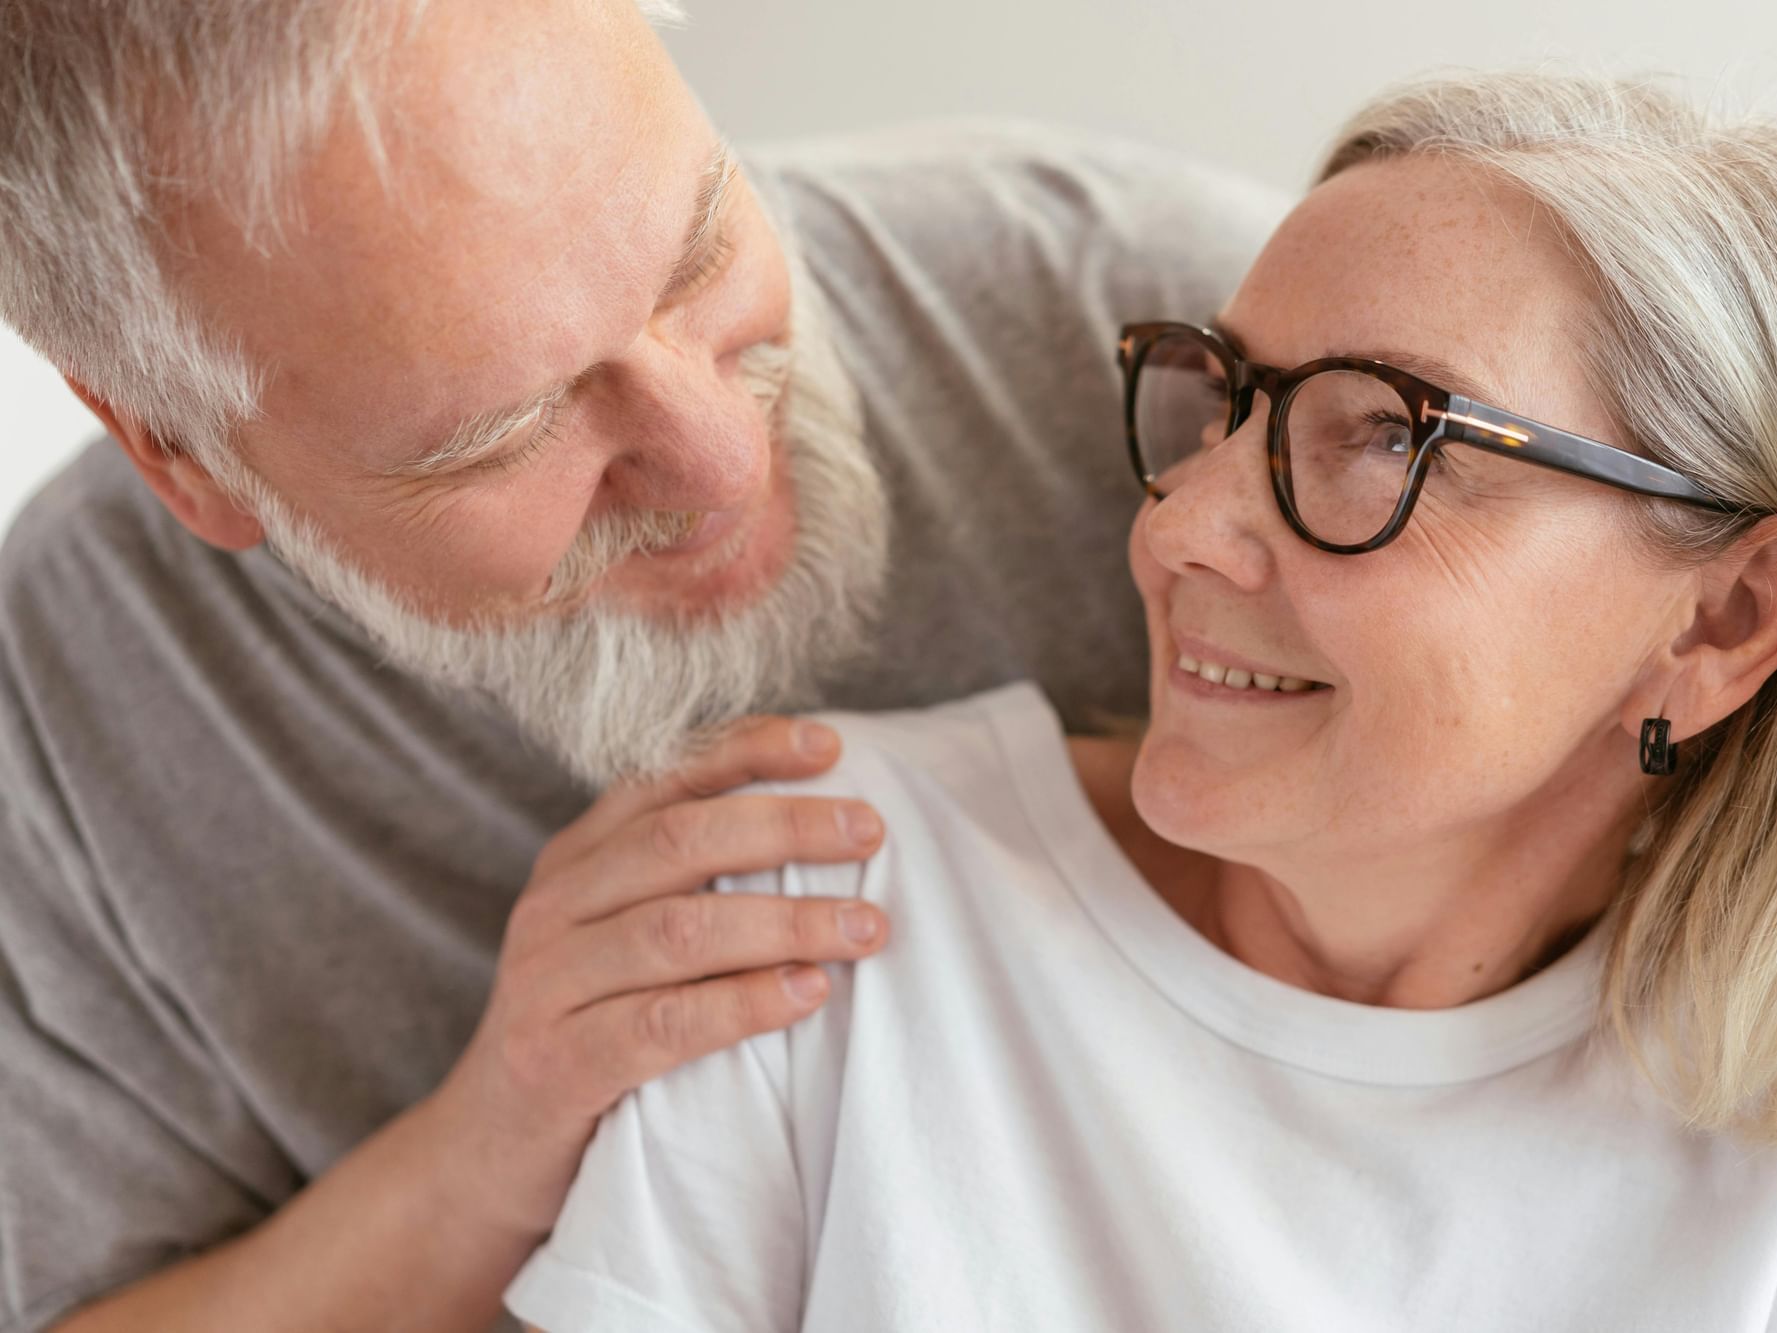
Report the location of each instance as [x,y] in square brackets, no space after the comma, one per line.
[1512,436]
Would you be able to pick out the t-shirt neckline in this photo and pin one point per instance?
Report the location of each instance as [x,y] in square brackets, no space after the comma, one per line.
[1321,1034]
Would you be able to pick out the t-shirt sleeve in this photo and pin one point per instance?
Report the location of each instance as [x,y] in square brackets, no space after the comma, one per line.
[120,1154]
[685,1215]
[689,1214]
[124,1145]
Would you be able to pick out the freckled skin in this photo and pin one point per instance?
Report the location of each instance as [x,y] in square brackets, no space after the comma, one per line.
[1465,789]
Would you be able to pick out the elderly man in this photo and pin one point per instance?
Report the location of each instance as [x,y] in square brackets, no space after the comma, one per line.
[479,432]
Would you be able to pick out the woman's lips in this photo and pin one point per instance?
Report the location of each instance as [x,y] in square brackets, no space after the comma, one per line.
[1189,682]
[1218,672]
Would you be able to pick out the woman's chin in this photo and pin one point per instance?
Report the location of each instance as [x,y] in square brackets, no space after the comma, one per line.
[1176,799]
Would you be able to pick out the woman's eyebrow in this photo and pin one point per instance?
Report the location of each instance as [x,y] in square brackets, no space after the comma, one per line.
[1227,335]
[1432,369]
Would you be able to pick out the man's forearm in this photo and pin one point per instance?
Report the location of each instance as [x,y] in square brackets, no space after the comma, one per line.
[375,1244]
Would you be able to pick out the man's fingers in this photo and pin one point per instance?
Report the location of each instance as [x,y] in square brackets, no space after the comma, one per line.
[686,937]
[757,749]
[628,1041]
[682,847]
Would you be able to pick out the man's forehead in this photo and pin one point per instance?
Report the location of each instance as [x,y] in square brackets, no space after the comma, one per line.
[488,95]
[521,218]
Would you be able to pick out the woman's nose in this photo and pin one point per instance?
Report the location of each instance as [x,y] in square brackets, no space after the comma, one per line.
[1220,515]
[690,434]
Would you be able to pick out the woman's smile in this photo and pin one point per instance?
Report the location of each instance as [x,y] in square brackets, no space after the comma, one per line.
[1204,670]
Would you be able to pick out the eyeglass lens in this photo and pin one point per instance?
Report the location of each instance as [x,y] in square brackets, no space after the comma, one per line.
[1346,437]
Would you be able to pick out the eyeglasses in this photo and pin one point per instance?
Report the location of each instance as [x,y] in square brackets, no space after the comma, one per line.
[1350,441]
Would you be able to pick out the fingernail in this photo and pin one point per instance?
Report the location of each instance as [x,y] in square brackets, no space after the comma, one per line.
[813,740]
[860,823]
[804,985]
[857,923]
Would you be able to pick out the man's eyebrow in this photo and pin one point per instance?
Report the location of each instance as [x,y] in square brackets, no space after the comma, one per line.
[706,218]
[479,434]
[1429,368]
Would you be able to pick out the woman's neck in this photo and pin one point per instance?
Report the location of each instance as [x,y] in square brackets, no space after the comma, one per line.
[1431,928]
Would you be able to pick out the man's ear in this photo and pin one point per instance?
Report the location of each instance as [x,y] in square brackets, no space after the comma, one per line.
[1729,649]
[183,485]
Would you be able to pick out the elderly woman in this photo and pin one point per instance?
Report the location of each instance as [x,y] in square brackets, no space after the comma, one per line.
[1416,968]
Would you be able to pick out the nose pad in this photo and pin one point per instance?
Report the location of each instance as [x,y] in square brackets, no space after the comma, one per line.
[1252,405]
[1245,400]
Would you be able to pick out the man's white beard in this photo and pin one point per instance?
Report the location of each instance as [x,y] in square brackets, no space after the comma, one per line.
[617,693]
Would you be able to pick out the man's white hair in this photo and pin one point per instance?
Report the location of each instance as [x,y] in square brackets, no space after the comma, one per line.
[116,113]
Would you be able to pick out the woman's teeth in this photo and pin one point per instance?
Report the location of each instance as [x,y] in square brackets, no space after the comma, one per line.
[1236,679]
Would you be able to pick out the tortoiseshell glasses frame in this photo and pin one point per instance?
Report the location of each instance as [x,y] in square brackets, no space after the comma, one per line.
[1436,417]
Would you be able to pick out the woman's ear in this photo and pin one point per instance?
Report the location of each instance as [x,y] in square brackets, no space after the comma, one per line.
[1729,649]
[183,485]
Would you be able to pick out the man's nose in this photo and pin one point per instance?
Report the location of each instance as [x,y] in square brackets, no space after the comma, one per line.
[1221,515]
[688,432]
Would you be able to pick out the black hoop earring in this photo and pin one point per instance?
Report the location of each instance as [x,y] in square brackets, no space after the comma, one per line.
[1659,755]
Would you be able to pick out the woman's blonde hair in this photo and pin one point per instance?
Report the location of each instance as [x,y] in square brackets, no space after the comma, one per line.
[1674,218]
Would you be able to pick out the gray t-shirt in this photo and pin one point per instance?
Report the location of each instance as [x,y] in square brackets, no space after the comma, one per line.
[252,882]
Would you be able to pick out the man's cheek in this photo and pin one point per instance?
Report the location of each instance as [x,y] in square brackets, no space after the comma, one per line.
[496,545]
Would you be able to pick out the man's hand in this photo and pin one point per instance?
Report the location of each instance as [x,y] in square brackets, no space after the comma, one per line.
[616,969]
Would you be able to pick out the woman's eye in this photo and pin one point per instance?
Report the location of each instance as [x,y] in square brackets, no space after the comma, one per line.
[1393,436]
[1390,434]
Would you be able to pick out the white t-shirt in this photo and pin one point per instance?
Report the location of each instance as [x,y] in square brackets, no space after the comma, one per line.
[1049,1104]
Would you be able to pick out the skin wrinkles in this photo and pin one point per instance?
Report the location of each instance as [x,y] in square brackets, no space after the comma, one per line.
[1466,791]
[505,270]
[429,513]
[706,240]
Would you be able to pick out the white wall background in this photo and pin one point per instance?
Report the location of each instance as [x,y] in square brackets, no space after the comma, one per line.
[1259,86]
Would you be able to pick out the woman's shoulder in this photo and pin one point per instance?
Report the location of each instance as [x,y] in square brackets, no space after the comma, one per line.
[953,751]
[945,775]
